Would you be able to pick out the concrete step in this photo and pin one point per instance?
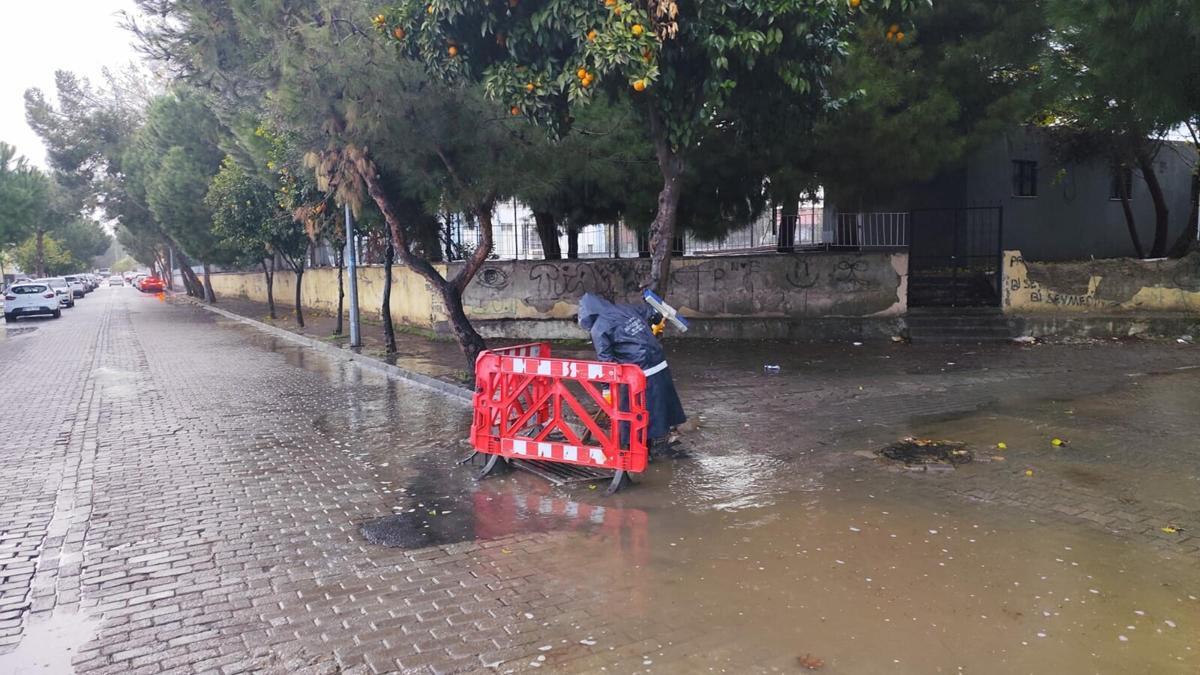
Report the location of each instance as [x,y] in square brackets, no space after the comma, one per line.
[958,325]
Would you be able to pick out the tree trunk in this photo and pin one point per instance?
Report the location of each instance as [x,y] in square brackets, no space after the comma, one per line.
[448,241]
[1131,223]
[547,232]
[385,311]
[1161,215]
[789,224]
[340,258]
[209,296]
[428,233]
[662,230]
[572,242]
[1191,229]
[469,340]
[39,257]
[269,274]
[299,269]
[194,287]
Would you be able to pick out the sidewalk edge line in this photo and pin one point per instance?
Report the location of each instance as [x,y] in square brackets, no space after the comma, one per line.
[396,372]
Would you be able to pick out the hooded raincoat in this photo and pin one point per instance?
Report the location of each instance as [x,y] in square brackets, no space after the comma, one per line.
[621,334]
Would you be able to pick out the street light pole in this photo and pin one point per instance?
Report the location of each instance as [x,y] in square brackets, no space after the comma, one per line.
[352,270]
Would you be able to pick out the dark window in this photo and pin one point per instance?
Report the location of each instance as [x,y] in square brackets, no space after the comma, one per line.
[1024,178]
[27,290]
[1120,182]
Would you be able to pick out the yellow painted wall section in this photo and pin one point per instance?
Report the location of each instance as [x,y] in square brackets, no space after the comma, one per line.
[1113,286]
[411,301]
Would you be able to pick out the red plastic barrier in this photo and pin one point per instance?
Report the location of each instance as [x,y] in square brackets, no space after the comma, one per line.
[531,406]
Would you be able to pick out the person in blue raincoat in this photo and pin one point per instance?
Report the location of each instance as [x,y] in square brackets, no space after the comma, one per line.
[622,334]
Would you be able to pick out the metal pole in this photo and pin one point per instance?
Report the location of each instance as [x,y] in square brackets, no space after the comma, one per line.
[352,272]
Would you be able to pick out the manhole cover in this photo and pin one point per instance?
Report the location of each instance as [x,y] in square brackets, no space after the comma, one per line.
[925,452]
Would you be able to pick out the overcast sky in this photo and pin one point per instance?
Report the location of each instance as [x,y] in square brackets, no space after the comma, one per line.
[41,36]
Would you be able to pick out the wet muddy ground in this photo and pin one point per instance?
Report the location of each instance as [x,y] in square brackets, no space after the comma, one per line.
[219,499]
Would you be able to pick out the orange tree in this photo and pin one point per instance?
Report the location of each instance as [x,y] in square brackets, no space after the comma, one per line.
[687,64]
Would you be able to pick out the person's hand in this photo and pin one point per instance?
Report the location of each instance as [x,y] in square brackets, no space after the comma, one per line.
[658,328]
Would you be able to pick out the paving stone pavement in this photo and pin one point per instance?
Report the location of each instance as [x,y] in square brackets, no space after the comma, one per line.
[214,528]
[197,489]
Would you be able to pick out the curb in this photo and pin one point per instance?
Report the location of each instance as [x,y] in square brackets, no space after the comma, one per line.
[461,394]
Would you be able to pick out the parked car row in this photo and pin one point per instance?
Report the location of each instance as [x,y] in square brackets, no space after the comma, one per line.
[49,295]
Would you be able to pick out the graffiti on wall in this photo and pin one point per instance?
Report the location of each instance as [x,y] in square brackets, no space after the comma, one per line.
[555,281]
[1021,291]
[732,285]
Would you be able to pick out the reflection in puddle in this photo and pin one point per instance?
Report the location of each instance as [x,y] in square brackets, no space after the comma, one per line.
[48,645]
[13,331]
[489,513]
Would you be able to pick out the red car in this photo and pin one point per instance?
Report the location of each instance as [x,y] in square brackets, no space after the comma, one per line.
[151,285]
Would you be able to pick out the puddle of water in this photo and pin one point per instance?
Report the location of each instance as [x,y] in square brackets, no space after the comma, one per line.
[446,505]
[871,583]
[48,645]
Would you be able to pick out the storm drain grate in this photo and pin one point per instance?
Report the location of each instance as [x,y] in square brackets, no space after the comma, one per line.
[562,474]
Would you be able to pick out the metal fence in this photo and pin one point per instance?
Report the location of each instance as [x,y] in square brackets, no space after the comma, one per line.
[871,230]
[806,229]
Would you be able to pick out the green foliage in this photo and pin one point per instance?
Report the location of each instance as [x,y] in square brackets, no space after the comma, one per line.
[965,71]
[539,58]
[83,240]
[125,264]
[169,165]
[24,194]
[247,216]
[55,259]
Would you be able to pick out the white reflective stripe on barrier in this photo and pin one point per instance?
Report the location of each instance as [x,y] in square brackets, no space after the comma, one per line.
[545,367]
[549,450]
[655,370]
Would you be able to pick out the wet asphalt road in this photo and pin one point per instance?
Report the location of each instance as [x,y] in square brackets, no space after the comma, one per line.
[187,495]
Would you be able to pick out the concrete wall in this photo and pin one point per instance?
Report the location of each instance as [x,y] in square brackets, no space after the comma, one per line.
[801,295]
[1072,217]
[411,301]
[1103,287]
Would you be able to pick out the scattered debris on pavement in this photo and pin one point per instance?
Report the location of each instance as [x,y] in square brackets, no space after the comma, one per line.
[811,662]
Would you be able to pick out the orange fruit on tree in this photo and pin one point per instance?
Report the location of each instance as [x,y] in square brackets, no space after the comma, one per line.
[581,73]
[529,86]
[894,28]
[855,3]
[429,9]
[453,51]
[610,3]
[899,37]
[591,36]
[515,110]
[399,33]
[639,85]
[637,29]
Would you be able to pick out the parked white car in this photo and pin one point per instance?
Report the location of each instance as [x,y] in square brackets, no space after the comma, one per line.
[66,297]
[30,298]
[116,280]
[77,285]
